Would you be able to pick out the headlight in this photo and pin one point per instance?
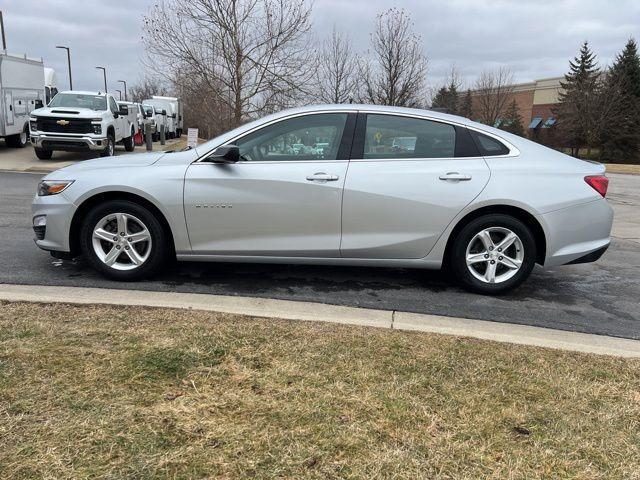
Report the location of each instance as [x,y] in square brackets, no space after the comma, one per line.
[33,124]
[52,187]
[97,129]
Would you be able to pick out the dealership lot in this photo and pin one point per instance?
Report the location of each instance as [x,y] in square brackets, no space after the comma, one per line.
[593,298]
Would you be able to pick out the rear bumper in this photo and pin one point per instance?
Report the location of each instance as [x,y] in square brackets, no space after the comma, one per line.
[70,143]
[577,234]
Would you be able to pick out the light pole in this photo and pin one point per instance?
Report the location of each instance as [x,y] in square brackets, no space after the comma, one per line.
[68,63]
[104,73]
[120,93]
[125,89]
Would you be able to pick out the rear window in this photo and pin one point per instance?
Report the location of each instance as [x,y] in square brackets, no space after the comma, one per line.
[488,146]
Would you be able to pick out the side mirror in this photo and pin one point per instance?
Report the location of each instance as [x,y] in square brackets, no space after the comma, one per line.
[164,112]
[123,110]
[224,154]
[39,104]
[174,115]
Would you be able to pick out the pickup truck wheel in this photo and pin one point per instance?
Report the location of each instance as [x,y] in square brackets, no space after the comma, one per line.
[129,143]
[123,240]
[110,148]
[43,154]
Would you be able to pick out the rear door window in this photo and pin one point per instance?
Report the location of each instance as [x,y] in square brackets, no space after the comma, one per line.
[488,146]
[389,136]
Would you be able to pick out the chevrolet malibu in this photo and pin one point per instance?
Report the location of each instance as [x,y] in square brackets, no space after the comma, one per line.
[391,187]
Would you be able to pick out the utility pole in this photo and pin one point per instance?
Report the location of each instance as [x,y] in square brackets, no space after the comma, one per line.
[125,89]
[104,73]
[4,40]
[120,93]
[69,63]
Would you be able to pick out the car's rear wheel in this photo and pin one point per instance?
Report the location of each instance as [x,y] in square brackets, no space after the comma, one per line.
[493,254]
[43,154]
[123,240]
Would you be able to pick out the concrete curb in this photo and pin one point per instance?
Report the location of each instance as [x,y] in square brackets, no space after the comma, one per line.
[269,308]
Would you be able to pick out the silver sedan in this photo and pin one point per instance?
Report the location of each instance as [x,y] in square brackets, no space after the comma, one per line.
[341,185]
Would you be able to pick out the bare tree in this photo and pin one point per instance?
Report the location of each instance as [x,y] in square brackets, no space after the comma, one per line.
[337,70]
[493,91]
[396,74]
[247,53]
[146,88]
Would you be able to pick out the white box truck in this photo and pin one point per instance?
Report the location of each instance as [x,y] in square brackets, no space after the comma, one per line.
[22,91]
[177,109]
[50,84]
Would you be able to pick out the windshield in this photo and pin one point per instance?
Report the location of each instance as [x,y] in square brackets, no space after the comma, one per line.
[148,111]
[77,100]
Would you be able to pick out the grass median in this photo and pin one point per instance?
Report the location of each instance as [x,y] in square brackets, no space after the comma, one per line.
[122,392]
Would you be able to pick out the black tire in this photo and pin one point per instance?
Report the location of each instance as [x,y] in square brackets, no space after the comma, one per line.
[158,249]
[458,255]
[179,133]
[154,137]
[129,144]
[43,154]
[110,149]
[20,140]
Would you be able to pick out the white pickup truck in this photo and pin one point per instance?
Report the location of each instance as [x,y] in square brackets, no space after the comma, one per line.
[81,121]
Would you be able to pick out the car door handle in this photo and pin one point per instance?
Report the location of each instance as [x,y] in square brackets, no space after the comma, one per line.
[322,177]
[455,176]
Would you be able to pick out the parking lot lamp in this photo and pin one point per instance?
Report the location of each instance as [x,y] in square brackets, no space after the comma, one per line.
[125,89]
[104,73]
[119,93]
[68,63]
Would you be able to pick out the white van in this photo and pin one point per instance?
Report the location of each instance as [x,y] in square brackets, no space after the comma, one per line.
[177,109]
[167,107]
[22,91]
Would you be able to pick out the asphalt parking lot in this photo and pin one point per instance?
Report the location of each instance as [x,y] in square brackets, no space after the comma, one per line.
[599,298]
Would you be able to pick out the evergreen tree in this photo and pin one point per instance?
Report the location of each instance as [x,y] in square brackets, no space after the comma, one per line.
[440,100]
[512,121]
[575,112]
[622,138]
[466,108]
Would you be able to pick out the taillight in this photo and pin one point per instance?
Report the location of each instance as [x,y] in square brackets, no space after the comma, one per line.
[599,183]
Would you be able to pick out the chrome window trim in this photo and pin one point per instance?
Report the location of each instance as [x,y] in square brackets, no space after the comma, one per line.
[513,150]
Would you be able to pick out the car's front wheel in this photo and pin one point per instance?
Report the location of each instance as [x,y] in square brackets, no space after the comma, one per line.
[493,254]
[43,154]
[110,148]
[123,240]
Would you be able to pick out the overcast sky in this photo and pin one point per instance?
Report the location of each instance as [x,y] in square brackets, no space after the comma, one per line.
[534,38]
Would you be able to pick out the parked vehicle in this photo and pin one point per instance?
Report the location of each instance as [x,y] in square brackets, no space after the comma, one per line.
[483,203]
[136,117]
[176,104]
[156,118]
[167,109]
[50,84]
[22,87]
[81,121]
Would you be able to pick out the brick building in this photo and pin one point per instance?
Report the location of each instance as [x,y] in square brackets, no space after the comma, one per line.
[536,101]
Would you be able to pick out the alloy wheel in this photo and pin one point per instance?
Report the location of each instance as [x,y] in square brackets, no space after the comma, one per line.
[121,241]
[494,255]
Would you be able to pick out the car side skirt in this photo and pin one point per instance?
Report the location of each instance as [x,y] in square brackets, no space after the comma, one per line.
[361,262]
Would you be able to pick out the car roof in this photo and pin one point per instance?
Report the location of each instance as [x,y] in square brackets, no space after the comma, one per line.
[348,107]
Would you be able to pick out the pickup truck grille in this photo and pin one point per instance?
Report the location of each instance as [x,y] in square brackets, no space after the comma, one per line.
[75,125]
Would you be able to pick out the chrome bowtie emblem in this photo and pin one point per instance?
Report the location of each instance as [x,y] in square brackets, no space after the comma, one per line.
[63,122]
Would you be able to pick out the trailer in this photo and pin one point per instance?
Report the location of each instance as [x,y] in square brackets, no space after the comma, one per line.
[21,92]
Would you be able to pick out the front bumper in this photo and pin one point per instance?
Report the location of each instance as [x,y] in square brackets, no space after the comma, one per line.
[59,212]
[69,143]
[577,234]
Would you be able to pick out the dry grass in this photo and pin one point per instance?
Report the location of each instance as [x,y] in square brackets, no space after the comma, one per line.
[109,392]
[623,168]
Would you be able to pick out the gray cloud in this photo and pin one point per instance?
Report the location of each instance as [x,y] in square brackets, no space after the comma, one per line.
[535,38]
